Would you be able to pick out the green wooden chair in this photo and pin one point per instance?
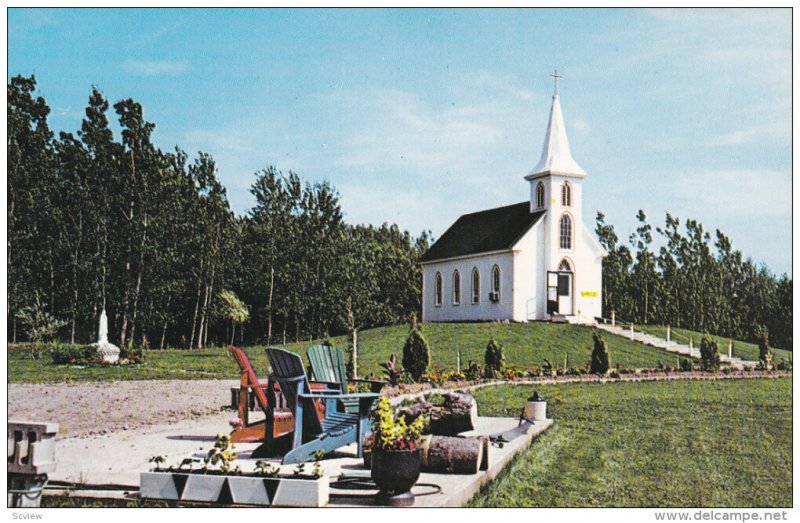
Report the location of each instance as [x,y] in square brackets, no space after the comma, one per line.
[316,428]
[328,365]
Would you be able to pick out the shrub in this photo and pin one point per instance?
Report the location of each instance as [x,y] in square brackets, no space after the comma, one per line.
[494,357]
[687,365]
[599,363]
[709,355]
[764,354]
[473,371]
[785,364]
[416,354]
[66,354]
[132,353]
[39,325]
[392,371]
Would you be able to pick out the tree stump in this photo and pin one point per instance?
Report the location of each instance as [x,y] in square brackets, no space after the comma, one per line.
[451,455]
[458,414]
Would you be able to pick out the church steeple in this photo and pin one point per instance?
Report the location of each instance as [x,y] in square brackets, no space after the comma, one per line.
[556,157]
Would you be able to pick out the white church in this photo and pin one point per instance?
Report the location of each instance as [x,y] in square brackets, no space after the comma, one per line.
[534,260]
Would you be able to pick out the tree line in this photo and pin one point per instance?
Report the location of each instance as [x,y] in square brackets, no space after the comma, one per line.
[693,282]
[97,221]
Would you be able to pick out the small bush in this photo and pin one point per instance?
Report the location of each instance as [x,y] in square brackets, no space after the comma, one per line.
[709,355]
[132,353]
[599,355]
[764,354]
[416,354]
[785,364]
[70,354]
[494,357]
[687,365]
[473,371]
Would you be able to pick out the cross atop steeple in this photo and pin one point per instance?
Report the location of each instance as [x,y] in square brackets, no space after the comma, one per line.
[556,78]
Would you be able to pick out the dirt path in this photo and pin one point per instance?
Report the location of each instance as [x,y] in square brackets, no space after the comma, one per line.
[83,409]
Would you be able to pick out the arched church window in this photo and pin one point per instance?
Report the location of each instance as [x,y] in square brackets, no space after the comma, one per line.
[495,295]
[564,266]
[565,233]
[540,195]
[566,195]
[437,290]
[456,287]
[476,286]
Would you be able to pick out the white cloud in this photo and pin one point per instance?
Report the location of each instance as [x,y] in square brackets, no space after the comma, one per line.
[779,130]
[746,193]
[156,67]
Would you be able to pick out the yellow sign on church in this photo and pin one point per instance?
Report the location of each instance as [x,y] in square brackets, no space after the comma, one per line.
[592,294]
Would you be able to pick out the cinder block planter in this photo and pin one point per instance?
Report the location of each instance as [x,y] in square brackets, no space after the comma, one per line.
[240,490]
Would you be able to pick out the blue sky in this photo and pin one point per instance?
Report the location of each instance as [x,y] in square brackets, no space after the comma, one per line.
[418,116]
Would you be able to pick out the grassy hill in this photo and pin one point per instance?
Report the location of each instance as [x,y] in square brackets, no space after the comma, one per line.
[741,349]
[525,344]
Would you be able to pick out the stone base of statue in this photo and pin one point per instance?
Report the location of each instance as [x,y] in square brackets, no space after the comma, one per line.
[107,351]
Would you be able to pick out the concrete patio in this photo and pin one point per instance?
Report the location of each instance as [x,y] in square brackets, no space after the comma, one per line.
[119,458]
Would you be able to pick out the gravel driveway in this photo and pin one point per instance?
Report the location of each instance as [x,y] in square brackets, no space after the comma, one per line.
[83,409]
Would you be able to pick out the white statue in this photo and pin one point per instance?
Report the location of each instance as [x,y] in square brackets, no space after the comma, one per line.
[102,335]
[108,351]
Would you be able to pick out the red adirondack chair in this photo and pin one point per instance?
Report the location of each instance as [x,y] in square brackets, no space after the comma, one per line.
[279,419]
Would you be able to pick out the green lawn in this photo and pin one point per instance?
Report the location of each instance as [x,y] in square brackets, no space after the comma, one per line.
[525,344]
[721,443]
[741,349]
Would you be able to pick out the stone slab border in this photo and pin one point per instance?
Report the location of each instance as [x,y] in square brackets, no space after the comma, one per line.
[592,378]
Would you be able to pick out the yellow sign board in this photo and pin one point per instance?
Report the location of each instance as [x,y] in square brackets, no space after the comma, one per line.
[592,294]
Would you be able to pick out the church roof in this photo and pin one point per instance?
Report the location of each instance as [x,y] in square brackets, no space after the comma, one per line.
[556,156]
[484,231]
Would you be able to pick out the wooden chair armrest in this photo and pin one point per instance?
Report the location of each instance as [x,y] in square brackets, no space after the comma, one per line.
[331,385]
[374,385]
[355,395]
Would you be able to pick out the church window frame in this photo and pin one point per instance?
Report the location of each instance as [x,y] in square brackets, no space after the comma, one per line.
[566,194]
[540,195]
[565,232]
[437,289]
[476,286]
[456,287]
[495,294]
[565,266]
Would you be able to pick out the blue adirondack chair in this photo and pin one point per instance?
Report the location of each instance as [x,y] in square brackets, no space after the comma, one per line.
[313,430]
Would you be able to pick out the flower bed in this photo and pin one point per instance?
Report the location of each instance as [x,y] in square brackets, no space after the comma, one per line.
[84,356]
[615,375]
[228,485]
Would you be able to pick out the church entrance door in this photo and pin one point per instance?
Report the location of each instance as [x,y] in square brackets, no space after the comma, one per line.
[559,293]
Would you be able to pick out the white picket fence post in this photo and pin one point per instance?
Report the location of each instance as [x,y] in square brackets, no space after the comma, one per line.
[613,318]
[631,331]
[668,333]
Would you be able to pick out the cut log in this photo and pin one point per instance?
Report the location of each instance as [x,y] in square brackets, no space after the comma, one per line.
[450,455]
[458,414]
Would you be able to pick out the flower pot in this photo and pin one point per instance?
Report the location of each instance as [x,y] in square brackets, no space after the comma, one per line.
[240,490]
[395,472]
